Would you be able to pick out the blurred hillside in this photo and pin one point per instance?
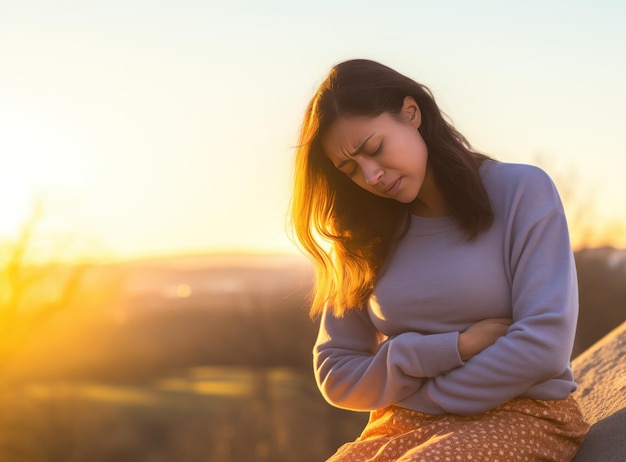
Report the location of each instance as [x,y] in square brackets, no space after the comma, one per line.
[166,314]
[238,310]
[602,292]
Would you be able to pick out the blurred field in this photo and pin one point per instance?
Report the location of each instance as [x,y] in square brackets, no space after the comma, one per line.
[203,358]
[201,414]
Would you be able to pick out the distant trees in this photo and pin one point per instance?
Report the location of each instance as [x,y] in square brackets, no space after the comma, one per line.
[587,228]
[30,291]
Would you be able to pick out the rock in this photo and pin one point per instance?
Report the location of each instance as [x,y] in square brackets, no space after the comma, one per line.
[601,375]
[606,440]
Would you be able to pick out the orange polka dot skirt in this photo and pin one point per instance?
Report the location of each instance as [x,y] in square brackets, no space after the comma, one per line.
[520,430]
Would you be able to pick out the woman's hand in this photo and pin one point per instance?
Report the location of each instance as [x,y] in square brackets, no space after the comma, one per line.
[480,335]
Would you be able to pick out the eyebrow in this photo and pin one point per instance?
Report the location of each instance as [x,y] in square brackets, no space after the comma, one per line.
[355,152]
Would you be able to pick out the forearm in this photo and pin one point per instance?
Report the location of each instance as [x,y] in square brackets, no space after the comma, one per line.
[355,371]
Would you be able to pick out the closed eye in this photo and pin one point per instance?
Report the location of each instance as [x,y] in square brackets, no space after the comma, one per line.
[352,169]
[378,149]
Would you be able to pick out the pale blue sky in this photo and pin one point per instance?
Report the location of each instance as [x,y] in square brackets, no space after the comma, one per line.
[160,127]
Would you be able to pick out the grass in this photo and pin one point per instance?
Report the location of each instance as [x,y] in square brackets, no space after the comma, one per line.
[220,414]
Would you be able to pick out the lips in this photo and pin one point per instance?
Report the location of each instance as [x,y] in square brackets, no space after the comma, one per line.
[393,187]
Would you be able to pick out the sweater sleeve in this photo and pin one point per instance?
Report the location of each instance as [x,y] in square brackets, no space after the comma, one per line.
[538,345]
[357,368]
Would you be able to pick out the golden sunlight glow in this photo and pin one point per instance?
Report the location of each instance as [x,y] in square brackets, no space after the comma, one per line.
[118,394]
[375,306]
[47,159]
[206,387]
[603,233]
[135,130]
[15,202]
[183,290]
[97,392]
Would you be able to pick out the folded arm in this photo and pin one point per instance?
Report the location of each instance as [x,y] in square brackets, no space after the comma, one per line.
[537,346]
[356,368]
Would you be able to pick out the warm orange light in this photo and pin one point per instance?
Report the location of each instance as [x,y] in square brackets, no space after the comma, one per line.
[183,290]
[606,233]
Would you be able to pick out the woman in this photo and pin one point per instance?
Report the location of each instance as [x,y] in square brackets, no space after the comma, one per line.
[445,280]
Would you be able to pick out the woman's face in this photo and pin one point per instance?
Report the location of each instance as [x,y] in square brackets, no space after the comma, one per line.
[382,154]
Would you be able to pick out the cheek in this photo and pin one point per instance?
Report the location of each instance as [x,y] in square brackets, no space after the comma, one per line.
[420,150]
[411,154]
[410,142]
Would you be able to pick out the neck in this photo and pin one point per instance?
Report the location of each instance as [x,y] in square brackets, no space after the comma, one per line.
[430,201]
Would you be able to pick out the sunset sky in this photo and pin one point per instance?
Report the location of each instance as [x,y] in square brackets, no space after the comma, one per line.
[159,127]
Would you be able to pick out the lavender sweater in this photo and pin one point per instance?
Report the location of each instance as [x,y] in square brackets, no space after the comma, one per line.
[402,348]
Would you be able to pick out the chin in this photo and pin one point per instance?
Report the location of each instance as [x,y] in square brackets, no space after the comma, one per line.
[406,199]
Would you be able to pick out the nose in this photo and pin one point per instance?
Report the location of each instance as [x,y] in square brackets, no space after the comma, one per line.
[372,172]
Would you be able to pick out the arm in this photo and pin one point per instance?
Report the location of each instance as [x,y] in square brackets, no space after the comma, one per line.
[537,346]
[480,335]
[355,370]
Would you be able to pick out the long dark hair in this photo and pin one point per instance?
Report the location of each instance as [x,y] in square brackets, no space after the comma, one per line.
[347,231]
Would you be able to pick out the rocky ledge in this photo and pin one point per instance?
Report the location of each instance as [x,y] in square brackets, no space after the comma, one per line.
[601,375]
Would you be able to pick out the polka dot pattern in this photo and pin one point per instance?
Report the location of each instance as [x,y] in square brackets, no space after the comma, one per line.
[520,430]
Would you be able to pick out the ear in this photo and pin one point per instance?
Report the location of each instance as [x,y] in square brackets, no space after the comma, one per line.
[411,112]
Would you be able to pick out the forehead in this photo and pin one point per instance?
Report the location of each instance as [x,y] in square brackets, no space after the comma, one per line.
[348,132]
